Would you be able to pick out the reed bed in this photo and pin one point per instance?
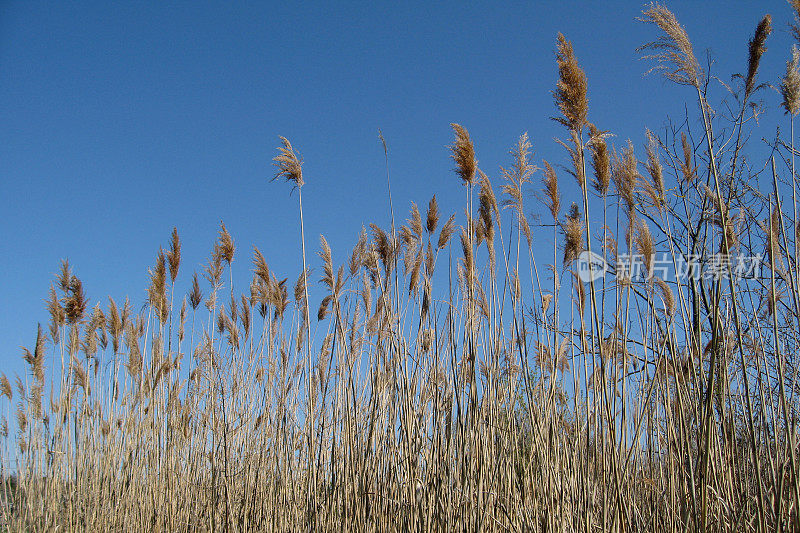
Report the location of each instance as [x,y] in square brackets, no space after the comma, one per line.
[457,373]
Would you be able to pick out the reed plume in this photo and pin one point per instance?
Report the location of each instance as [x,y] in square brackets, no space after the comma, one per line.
[156,292]
[644,245]
[625,176]
[655,187]
[790,84]
[195,295]
[289,164]
[75,302]
[672,51]
[756,49]
[601,160]
[432,217]
[794,26]
[226,244]
[688,169]
[463,153]
[515,179]
[573,235]
[570,94]
[174,255]
[552,197]
[667,296]
[447,232]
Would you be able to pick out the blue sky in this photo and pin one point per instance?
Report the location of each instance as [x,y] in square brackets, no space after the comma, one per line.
[119,121]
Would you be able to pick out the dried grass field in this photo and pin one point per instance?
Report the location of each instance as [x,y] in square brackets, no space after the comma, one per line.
[456,372]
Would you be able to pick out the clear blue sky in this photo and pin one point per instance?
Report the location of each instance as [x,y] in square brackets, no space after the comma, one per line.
[120,120]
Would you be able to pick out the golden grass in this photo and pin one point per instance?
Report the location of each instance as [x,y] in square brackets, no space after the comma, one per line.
[444,387]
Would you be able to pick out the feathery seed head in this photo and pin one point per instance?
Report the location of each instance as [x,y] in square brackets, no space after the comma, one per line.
[573,235]
[667,296]
[415,222]
[174,255]
[300,287]
[673,50]
[795,26]
[519,174]
[644,244]
[688,169]
[625,175]
[487,208]
[547,299]
[37,361]
[195,296]
[357,255]
[654,187]
[226,246]
[156,292]
[447,232]
[75,305]
[790,84]
[57,314]
[570,93]
[64,275]
[5,387]
[327,260]
[463,153]
[289,164]
[552,196]
[260,266]
[756,49]
[433,215]
[601,161]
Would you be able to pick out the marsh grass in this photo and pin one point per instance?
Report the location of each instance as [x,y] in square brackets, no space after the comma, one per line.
[459,375]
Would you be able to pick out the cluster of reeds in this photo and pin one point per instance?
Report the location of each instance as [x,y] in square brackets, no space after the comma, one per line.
[450,378]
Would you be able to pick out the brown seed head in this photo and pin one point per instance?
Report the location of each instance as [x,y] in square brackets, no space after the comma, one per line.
[57,315]
[5,387]
[65,275]
[795,26]
[654,187]
[357,255]
[433,215]
[289,164]
[644,245]
[488,207]
[625,175]
[39,355]
[226,245]
[174,255]
[447,232]
[688,170]
[515,178]
[156,292]
[573,235]
[415,222]
[570,93]
[552,197]
[601,161]
[260,266]
[790,84]
[463,153]
[667,295]
[195,296]
[327,263]
[75,305]
[673,50]
[756,49]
